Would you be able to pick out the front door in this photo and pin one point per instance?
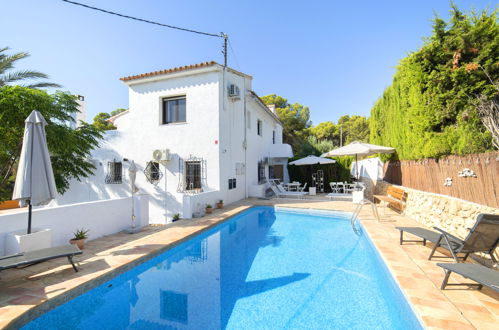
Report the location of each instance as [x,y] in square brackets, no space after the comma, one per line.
[276,172]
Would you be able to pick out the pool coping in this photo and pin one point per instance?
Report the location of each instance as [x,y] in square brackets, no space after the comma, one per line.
[419,310]
[447,316]
[84,287]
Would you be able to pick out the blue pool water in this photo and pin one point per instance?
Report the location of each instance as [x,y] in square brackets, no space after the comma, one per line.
[263,269]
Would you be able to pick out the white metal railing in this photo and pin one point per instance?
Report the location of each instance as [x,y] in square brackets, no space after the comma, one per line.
[354,219]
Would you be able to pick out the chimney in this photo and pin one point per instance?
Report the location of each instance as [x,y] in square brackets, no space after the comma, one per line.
[271,108]
[79,116]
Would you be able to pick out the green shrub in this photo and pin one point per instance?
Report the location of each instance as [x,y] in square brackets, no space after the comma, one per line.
[339,171]
[429,109]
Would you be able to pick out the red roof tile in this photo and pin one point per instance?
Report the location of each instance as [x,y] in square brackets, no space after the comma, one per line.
[167,71]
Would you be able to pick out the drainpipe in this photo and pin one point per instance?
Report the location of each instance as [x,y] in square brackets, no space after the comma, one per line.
[245,142]
[223,181]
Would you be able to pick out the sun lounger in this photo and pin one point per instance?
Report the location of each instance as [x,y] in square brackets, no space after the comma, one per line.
[425,234]
[478,273]
[483,237]
[33,257]
[283,193]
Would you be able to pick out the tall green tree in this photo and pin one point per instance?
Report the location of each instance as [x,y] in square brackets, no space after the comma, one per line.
[430,109]
[294,117]
[326,130]
[101,122]
[312,146]
[10,76]
[69,148]
[117,111]
[348,129]
[354,128]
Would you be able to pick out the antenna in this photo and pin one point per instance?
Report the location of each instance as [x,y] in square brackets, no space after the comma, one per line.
[224,50]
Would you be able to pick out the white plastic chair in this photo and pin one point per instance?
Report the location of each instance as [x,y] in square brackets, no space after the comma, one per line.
[335,187]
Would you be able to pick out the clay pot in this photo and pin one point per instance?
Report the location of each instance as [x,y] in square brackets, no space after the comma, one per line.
[80,243]
[220,205]
[209,210]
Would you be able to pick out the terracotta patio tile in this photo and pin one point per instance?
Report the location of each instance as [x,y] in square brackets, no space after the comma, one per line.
[418,277]
[433,322]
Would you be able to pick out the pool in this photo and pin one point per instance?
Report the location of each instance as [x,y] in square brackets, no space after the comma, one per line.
[265,268]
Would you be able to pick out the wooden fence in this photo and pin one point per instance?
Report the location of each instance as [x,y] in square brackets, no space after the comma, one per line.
[431,174]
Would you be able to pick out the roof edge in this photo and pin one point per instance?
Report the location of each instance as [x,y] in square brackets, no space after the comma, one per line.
[262,104]
[113,118]
[180,69]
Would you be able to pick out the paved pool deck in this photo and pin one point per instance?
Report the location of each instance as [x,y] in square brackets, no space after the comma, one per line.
[28,292]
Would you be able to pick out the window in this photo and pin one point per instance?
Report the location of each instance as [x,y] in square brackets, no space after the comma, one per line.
[261,172]
[114,172]
[273,137]
[192,175]
[173,306]
[153,172]
[259,125]
[173,110]
[232,184]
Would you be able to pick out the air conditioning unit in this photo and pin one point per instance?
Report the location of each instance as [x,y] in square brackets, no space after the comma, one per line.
[233,91]
[161,155]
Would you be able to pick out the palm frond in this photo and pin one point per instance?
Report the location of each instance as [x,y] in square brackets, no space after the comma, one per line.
[43,85]
[8,76]
[7,61]
[20,75]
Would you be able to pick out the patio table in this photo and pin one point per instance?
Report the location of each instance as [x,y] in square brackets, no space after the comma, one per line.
[348,188]
[292,186]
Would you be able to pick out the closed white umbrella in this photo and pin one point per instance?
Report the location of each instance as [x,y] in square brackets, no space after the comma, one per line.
[132,174]
[358,148]
[312,160]
[35,184]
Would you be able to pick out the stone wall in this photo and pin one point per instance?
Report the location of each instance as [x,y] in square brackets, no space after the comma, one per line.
[370,187]
[433,210]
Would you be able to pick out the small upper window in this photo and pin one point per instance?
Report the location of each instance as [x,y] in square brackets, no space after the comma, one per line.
[173,110]
[259,127]
[273,137]
[114,172]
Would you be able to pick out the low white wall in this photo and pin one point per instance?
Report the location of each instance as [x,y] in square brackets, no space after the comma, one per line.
[258,190]
[197,202]
[100,217]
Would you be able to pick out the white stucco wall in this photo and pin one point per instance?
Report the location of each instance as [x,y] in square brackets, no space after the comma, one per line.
[99,217]
[140,132]
[214,131]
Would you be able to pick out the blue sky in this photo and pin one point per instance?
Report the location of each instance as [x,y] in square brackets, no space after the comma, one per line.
[336,57]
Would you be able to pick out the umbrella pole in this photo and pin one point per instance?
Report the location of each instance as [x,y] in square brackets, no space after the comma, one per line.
[29,216]
[357,166]
[133,210]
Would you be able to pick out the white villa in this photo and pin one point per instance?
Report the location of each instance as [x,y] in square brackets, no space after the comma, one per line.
[197,134]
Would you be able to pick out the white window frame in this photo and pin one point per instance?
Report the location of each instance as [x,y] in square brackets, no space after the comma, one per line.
[162,119]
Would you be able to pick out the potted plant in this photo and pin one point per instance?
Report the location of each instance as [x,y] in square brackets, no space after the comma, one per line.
[220,204]
[80,235]
[209,208]
[176,217]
